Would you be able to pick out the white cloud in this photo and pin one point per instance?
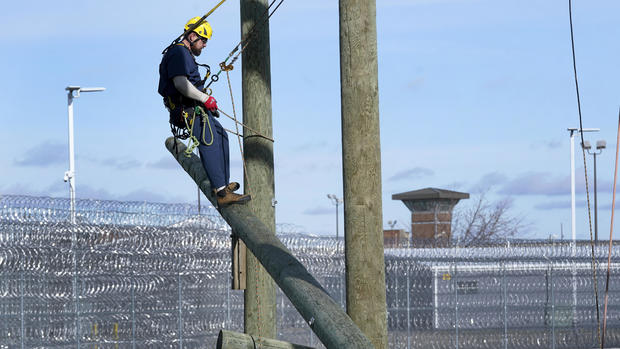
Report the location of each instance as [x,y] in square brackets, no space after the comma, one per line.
[48,153]
[545,183]
[318,211]
[413,173]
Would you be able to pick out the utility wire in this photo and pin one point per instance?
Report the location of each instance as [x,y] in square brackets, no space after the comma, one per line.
[585,168]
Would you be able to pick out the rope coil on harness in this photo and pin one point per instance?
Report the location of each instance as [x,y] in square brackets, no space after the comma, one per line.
[193,141]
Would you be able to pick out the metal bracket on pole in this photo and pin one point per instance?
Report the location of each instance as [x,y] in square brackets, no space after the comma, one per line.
[68,176]
[238,263]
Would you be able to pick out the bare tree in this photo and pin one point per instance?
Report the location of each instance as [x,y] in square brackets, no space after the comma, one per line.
[486,222]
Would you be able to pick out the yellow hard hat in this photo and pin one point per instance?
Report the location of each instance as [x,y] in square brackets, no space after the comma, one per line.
[204,29]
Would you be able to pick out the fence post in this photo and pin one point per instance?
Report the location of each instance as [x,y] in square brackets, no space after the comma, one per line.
[21,305]
[456,298]
[408,309]
[396,305]
[76,297]
[505,299]
[180,310]
[228,320]
[552,307]
[133,304]
[342,276]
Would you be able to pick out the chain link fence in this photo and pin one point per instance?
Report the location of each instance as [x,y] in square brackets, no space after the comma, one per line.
[145,275]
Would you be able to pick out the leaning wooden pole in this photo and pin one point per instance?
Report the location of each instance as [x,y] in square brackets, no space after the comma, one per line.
[260,291]
[361,162]
[324,316]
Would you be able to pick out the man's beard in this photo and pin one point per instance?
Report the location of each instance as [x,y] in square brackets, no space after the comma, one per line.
[196,51]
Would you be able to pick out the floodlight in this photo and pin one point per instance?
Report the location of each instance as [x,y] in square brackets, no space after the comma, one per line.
[586,145]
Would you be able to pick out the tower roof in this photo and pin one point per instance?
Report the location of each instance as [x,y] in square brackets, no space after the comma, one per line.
[430,193]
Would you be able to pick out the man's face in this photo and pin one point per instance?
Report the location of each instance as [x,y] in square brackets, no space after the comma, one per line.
[198,43]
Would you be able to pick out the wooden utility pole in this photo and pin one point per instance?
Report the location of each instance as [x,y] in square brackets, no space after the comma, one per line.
[325,317]
[260,292]
[361,161]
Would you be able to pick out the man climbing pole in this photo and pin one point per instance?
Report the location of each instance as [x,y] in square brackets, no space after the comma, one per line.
[193,112]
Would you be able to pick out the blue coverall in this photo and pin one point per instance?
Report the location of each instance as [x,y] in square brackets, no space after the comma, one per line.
[213,147]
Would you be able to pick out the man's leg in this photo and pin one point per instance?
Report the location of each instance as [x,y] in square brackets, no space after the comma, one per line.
[215,160]
[211,154]
[225,155]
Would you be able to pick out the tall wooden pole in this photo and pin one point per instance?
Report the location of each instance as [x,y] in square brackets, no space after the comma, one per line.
[361,160]
[260,293]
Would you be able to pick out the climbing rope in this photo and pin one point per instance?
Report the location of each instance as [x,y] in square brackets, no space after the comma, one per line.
[585,168]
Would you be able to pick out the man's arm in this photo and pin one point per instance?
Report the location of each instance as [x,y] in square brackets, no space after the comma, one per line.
[188,90]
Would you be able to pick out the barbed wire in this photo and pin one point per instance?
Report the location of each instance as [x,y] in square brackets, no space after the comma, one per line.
[131,272]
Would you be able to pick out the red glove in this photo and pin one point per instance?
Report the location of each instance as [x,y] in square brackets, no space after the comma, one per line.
[211,104]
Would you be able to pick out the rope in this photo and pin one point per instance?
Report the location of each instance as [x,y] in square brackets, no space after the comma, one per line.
[205,121]
[232,101]
[252,33]
[611,231]
[193,141]
[585,168]
[257,134]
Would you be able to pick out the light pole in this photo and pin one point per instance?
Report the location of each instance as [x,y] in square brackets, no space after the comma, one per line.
[392,224]
[600,145]
[572,131]
[336,201]
[70,175]
[572,194]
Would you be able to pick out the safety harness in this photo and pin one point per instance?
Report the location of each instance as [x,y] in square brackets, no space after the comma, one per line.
[182,124]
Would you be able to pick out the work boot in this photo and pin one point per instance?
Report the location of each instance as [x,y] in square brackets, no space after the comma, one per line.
[226,197]
[233,186]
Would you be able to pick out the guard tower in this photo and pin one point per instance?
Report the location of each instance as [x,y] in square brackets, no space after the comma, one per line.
[431,214]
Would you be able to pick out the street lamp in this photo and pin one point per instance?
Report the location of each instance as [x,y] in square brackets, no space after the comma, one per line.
[70,175]
[392,224]
[600,145]
[336,201]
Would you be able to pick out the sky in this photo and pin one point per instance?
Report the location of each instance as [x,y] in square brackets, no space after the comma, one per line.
[474,96]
